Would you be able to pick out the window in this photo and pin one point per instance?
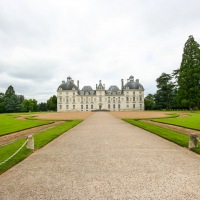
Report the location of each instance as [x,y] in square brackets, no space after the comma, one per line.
[86,106]
[67,100]
[91,106]
[133,93]
[133,105]
[140,98]
[108,106]
[127,106]
[133,98]
[100,99]
[140,106]
[73,106]
[127,99]
[119,106]
[113,106]
[81,107]
[60,100]
[73,100]
[60,107]
[67,107]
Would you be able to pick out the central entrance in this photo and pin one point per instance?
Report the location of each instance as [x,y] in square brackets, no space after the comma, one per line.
[100,106]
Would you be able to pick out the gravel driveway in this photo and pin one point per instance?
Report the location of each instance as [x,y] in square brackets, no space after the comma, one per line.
[105,158]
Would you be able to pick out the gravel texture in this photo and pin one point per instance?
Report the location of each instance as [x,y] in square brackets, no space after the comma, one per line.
[105,158]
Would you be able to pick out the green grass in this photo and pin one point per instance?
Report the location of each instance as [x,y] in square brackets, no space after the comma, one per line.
[173,136]
[176,137]
[40,139]
[192,121]
[9,124]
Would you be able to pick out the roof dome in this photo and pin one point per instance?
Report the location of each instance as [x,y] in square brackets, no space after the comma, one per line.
[113,88]
[87,89]
[133,85]
[69,85]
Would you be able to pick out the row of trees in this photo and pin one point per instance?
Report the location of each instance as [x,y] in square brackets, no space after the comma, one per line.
[11,102]
[181,89]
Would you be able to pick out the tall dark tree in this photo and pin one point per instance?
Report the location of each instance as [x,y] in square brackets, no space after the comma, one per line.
[52,103]
[188,76]
[165,93]
[11,101]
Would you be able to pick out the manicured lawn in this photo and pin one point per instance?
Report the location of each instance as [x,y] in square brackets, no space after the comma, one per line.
[40,139]
[9,124]
[192,121]
[173,136]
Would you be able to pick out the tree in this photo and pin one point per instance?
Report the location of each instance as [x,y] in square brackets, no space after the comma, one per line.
[188,76]
[42,106]
[149,102]
[30,105]
[52,103]
[165,93]
[11,101]
[1,102]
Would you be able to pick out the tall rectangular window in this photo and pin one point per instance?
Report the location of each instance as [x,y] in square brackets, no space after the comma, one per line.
[108,106]
[81,107]
[67,107]
[73,106]
[91,106]
[133,105]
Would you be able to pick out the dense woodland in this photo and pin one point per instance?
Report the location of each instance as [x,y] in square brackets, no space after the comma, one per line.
[11,102]
[181,89]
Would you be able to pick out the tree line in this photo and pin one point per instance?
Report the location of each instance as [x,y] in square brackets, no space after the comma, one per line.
[181,88]
[11,102]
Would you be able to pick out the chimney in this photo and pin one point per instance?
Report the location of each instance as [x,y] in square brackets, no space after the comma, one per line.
[127,80]
[72,81]
[137,80]
[104,86]
[96,86]
[122,81]
[99,81]
[63,82]
[78,84]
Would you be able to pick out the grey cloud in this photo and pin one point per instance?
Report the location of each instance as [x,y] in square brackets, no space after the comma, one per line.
[42,42]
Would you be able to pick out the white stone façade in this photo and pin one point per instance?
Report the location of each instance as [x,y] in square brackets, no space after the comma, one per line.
[129,98]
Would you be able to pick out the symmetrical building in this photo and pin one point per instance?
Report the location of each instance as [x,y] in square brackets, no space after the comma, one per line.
[129,98]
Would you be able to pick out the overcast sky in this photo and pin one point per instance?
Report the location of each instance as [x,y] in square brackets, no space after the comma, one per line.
[42,42]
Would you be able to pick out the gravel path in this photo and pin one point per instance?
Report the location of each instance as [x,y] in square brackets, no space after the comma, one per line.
[5,139]
[105,158]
